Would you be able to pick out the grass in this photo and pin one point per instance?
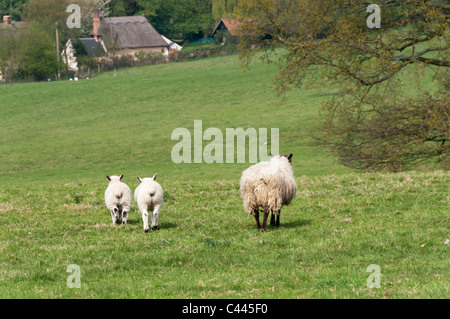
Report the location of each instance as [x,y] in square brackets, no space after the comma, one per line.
[207,247]
[61,131]
[60,139]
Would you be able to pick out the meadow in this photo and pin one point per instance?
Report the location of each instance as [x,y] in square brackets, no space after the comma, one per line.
[60,139]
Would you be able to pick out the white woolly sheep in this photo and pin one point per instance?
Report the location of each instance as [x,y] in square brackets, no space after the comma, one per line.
[269,185]
[118,199]
[149,195]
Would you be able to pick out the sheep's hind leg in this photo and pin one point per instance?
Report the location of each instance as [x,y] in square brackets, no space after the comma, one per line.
[145,220]
[155,218]
[125,217]
[277,223]
[258,225]
[266,214]
[272,219]
[125,210]
[115,216]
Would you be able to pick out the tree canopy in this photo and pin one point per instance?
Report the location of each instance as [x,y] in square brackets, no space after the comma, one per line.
[14,8]
[178,18]
[372,122]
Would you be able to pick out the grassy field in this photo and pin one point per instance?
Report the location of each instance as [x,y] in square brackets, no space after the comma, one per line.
[82,130]
[60,139]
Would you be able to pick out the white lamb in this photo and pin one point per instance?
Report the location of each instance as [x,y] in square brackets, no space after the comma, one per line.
[269,185]
[118,199]
[149,195]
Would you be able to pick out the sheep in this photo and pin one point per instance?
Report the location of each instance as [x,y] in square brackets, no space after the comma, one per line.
[149,195]
[118,199]
[269,185]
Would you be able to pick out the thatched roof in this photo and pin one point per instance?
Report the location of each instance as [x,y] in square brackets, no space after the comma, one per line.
[130,32]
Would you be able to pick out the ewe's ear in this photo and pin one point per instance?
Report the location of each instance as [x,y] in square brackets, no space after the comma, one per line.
[290,158]
[139,179]
[120,178]
[154,176]
[109,178]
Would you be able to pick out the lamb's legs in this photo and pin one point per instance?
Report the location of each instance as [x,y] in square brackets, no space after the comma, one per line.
[125,217]
[266,214]
[258,225]
[145,220]
[115,215]
[155,217]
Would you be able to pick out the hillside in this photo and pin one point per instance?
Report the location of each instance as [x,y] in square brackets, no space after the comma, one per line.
[63,131]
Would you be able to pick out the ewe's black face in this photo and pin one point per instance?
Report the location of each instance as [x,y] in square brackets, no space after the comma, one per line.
[289,157]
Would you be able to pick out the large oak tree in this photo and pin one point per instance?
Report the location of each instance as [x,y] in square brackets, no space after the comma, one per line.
[390,108]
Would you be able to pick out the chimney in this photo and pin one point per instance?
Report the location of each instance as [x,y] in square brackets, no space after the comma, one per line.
[96,24]
[7,19]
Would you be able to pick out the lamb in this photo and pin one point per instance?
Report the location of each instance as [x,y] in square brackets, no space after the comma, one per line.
[149,195]
[269,185]
[118,199]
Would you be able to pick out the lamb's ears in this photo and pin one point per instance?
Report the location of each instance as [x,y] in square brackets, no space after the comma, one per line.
[139,179]
[290,158]
[109,178]
[270,155]
[121,176]
[154,176]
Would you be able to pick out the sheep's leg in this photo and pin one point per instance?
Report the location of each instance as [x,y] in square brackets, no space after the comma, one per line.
[266,214]
[125,210]
[272,219]
[258,225]
[277,223]
[115,215]
[145,219]
[155,217]
[125,217]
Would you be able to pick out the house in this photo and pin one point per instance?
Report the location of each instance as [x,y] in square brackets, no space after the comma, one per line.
[118,36]
[226,27]
[10,25]
[232,28]
[129,35]
[172,45]
[90,46]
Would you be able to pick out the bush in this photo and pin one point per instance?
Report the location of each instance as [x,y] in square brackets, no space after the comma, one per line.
[36,56]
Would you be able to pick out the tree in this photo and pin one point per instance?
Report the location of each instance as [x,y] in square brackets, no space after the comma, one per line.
[178,18]
[50,12]
[223,8]
[8,51]
[124,8]
[373,121]
[14,8]
[36,56]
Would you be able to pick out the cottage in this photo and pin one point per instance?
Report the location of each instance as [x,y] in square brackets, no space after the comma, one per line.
[9,24]
[227,27]
[86,46]
[129,35]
